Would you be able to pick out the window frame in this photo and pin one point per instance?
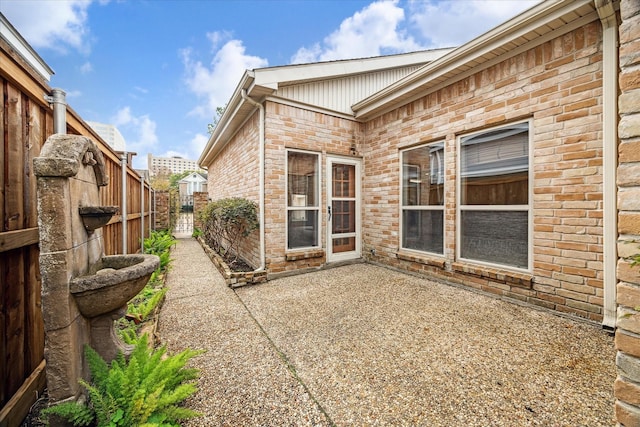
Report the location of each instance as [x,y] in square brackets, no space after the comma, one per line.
[497,208]
[315,208]
[402,207]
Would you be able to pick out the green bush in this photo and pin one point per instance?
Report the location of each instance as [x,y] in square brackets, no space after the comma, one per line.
[227,222]
[146,390]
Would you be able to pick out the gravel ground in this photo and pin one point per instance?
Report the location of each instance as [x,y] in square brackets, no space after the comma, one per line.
[364,345]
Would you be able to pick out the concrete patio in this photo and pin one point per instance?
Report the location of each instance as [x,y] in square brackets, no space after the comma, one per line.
[365,345]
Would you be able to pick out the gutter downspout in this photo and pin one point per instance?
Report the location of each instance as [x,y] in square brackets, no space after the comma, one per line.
[59,102]
[261,178]
[608,18]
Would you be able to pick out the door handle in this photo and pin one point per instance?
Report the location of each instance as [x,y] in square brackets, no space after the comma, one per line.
[329,212]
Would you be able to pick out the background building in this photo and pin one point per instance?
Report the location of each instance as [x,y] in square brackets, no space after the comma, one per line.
[170,165]
[110,134]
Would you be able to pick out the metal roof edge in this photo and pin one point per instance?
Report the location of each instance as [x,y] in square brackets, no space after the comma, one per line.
[23,48]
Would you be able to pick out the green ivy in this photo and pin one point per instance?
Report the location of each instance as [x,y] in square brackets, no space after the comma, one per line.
[226,222]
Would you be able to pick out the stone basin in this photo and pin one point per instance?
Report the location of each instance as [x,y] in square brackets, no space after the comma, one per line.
[112,283]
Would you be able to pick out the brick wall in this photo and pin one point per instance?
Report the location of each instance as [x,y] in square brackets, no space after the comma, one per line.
[558,86]
[235,173]
[627,385]
[291,127]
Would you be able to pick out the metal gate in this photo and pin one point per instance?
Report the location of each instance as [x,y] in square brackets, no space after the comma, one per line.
[184,222]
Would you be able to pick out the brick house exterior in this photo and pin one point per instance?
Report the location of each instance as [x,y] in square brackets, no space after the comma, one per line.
[556,88]
[541,71]
[627,385]
[503,166]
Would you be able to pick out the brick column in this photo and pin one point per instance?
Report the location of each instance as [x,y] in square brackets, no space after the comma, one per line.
[200,200]
[162,210]
[627,385]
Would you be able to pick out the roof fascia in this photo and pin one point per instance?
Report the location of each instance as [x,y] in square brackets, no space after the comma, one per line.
[309,107]
[503,34]
[276,76]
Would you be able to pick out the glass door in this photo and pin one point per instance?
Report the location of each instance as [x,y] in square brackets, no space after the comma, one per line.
[343,209]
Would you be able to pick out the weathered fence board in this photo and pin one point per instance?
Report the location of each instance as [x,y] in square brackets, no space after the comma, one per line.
[26,121]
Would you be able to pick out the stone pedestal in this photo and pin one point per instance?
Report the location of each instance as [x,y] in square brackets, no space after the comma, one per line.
[104,339]
[70,171]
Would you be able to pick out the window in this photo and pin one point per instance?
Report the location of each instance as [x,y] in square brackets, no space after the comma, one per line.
[494,196]
[423,198]
[303,201]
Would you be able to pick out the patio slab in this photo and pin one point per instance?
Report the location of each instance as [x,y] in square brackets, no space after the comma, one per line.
[366,345]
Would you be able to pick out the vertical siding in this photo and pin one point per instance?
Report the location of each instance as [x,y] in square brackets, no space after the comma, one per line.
[341,93]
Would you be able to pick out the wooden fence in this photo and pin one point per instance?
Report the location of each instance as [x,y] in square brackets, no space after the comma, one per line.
[26,121]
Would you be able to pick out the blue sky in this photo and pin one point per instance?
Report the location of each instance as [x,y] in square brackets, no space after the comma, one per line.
[157,69]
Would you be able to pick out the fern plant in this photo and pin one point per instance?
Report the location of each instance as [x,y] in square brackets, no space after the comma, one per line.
[145,390]
[141,310]
[76,414]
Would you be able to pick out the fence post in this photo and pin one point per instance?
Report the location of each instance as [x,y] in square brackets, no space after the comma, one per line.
[142,214]
[151,211]
[124,203]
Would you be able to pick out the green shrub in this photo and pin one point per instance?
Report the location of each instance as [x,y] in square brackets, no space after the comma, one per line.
[143,391]
[227,222]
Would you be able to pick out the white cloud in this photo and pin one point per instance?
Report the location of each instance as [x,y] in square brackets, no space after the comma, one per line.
[197,144]
[381,27]
[375,30]
[86,68]
[74,94]
[192,149]
[50,24]
[139,131]
[215,83]
[452,23]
